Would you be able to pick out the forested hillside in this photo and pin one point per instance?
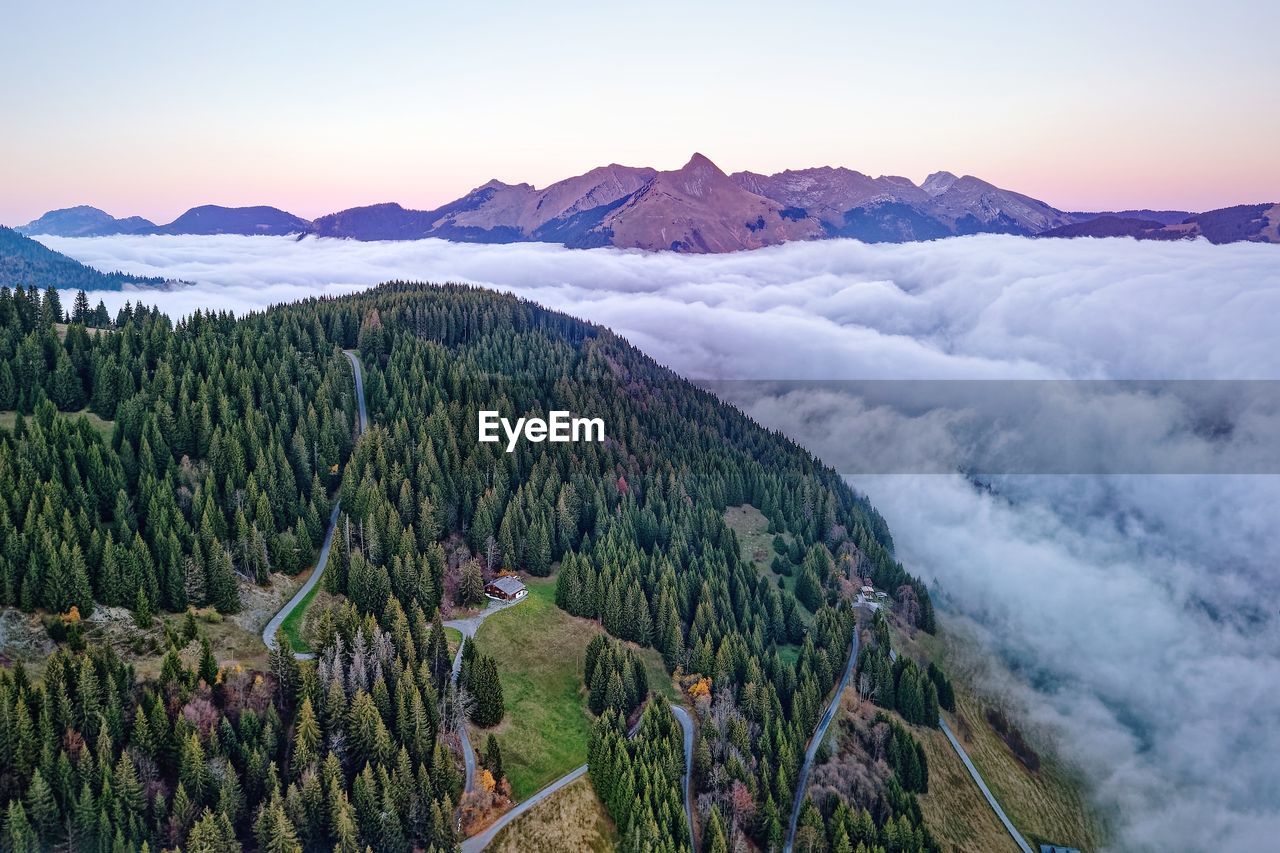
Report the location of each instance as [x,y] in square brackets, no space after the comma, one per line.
[225,435]
[229,436]
[27,263]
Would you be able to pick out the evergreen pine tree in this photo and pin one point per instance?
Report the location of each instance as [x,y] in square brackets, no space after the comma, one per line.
[207,670]
[306,738]
[20,834]
[493,758]
[42,808]
[142,609]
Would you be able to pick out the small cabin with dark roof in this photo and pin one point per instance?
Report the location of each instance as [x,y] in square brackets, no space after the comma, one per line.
[505,588]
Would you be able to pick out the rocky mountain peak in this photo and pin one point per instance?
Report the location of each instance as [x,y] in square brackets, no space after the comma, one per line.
[938,183]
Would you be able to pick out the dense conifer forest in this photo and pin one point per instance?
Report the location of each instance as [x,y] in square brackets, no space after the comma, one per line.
[230,440]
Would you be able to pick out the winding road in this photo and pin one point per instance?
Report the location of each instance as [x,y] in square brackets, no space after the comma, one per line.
[269,632]
[468,627]
[480,840]
[802,779]
[686,723]
[821,732]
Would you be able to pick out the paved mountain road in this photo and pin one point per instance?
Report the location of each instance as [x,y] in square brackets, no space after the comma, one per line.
[977,777]
[982,786]
[468,628]
[821,732]
[269,632]
[478,842]
[686,723]
[802,779]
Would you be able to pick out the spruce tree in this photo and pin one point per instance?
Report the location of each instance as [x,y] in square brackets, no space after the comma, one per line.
[486,690]
[20,834]
[207,670]
[306,738]
[493,758]
[42,808]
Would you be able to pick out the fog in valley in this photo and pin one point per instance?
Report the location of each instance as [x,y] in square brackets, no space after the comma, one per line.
[1117,550]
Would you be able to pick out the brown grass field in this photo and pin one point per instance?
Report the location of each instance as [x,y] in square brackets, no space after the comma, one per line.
[236,639]
[572,818]
[954,809]
[1047,805]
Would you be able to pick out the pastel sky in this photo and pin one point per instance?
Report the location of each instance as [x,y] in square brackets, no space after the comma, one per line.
[314,107]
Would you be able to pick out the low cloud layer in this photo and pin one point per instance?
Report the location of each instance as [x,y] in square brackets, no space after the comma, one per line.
[1143,608]
[975,308]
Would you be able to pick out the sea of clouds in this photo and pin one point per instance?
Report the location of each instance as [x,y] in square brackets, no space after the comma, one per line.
[1139,611]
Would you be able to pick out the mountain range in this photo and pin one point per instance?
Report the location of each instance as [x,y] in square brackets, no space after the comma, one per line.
[699,208]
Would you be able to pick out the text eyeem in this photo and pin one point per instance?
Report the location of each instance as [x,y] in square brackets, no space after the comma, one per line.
[559,426]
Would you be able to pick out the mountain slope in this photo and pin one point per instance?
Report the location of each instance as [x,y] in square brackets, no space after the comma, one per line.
[828,193]
[567,211]
[1252,223]
[698,208]
[1258,223]
[1113,226]
[893,209]
[635,524]
[971,205]
[387,221]
[83,221]
[215,219]
[27,263]
[497,212]
[1163,217]
[693,209]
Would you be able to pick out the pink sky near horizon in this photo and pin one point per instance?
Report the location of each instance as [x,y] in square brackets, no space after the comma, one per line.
[318,108]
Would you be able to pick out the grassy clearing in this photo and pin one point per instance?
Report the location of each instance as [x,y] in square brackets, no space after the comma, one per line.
[60,329]
[105,428]
[789,654]
[955,812]
[236,638]
[540,652]
[1046,805]
[292,625]
[453,636]
[752,530]
[572,818]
